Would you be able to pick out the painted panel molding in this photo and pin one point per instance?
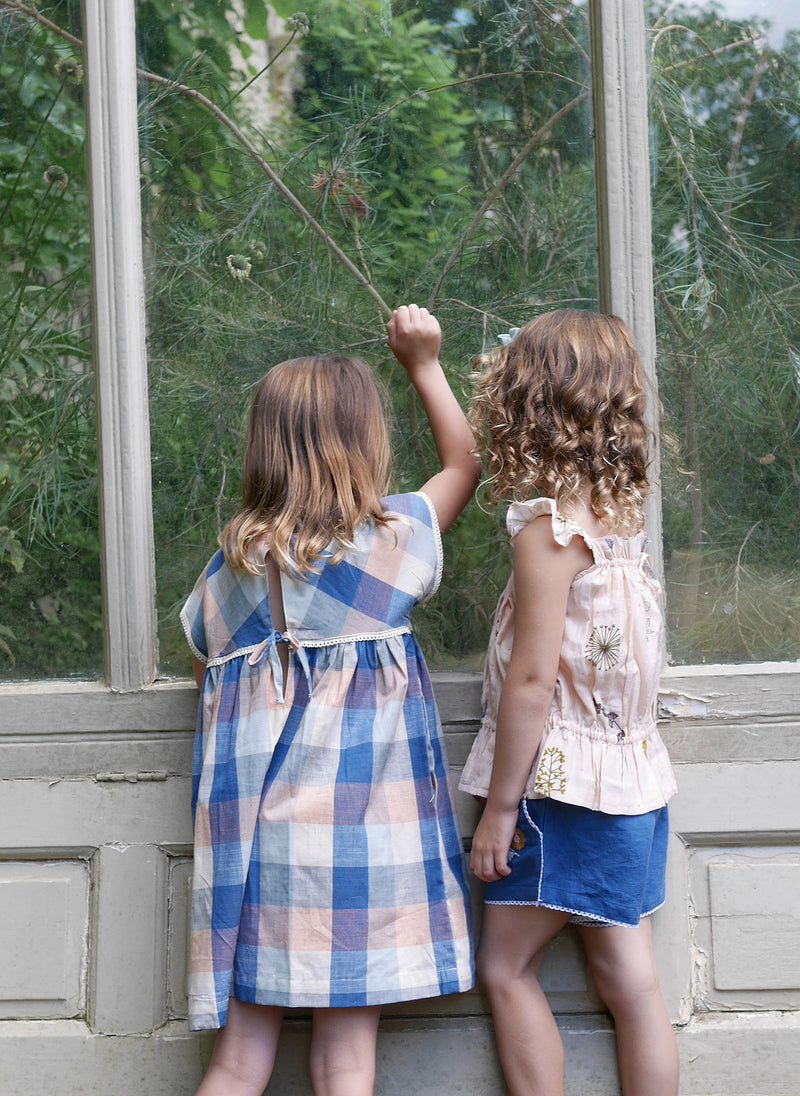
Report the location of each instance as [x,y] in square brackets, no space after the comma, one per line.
[43,944]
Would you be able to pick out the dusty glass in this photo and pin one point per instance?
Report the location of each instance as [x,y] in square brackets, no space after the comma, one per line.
[726,201]
[302,174]
[50,602]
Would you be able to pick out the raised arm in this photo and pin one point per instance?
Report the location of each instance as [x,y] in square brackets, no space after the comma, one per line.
[415,338]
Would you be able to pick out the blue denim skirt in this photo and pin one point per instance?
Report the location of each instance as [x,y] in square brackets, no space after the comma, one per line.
[601,868]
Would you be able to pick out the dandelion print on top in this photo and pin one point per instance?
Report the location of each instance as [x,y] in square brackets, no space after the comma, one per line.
[602,650]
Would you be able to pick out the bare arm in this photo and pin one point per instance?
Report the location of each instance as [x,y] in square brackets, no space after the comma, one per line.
[415,338]
[198,669]
[543,573]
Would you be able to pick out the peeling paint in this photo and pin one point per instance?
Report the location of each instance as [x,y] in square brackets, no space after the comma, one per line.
[673,705]
[129,778]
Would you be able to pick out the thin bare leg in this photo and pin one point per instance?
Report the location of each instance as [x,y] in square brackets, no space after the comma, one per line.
[343,1042]
[244,1051]
[512,947]
[623,967]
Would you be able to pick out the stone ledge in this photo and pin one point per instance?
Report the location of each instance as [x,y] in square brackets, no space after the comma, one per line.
[736,697]
[735,1054]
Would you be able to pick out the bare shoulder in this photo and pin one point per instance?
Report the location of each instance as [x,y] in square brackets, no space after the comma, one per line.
[535,547]
[583,515]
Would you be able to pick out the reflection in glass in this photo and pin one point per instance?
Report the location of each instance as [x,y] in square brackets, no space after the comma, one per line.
[423,141]
[50,605]
[725,108]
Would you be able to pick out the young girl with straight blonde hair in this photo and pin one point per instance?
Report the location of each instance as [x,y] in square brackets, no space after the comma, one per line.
[328,870]
[574,774]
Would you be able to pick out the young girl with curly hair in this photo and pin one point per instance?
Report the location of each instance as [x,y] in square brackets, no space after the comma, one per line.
[574,773]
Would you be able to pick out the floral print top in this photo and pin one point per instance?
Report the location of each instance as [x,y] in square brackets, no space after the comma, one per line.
[600,747]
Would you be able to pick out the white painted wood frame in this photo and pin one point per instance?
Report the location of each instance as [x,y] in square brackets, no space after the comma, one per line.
[95,779]
[126,511]
[623,198]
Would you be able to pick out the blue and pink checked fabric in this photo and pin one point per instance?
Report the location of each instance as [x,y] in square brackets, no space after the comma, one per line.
[328,867]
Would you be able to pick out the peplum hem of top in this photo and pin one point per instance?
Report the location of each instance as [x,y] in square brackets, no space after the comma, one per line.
[616,778]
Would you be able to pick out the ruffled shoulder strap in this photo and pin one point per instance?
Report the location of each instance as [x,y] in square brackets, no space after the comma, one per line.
[521,514]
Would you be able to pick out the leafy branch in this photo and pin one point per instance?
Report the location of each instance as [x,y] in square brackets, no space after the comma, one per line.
[291,198]
[501,185]
[225,119]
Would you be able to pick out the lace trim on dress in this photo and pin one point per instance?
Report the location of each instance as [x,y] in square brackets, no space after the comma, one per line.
[294,643]
[437,535]
[187,631]
[578,916]
[266,650]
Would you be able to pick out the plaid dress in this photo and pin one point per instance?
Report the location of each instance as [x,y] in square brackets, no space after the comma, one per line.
[328,866]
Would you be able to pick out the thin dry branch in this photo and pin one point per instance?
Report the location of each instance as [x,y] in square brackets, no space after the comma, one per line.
[716,52]
[502,183]
[32,13]
[737,589]
[190,93]
[741,122]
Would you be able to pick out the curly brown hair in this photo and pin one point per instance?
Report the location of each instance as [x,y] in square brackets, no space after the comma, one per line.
[560,409]
[317,461]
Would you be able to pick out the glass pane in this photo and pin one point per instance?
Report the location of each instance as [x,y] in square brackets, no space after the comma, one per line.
[725,108]
[50,605]
[444,148]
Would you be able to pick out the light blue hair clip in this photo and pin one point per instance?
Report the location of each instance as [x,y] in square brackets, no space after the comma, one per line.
[509,335]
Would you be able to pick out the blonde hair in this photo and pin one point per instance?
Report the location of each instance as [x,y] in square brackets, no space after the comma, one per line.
[317,461]
[561,409]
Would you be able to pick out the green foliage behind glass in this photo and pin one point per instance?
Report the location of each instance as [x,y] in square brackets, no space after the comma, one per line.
[725,110]
[393,138]
[419,137]
[50,614]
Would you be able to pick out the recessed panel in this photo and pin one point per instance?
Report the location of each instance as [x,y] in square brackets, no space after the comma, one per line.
[180,889]
[42,938]
[755,924]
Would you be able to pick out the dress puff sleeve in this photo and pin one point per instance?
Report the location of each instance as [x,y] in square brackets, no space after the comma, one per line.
[521,514]
[227,613]
[193,619]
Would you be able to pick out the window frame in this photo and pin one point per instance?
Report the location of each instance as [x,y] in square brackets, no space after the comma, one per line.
[618,39]
[619,82]
[127,545]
